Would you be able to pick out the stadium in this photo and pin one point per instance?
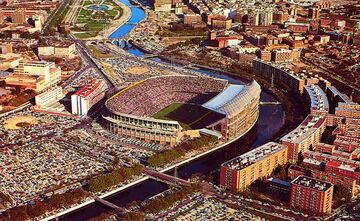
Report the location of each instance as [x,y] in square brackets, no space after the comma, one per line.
[167,109]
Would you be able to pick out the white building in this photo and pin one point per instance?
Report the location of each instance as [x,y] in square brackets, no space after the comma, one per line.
[86,97]
[49,97]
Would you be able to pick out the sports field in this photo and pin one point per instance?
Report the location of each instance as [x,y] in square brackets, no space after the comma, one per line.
[189,116]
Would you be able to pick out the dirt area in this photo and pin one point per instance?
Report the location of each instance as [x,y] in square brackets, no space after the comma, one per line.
[138,70]
[18,122]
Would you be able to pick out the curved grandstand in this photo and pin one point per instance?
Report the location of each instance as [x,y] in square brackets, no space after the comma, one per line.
[162,109]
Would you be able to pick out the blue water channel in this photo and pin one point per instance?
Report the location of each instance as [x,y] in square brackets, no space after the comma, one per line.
[270,122]
[137,15]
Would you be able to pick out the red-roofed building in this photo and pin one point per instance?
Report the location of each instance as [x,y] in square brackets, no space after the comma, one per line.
[86,97]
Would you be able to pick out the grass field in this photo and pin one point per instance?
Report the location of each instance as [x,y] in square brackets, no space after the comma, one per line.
[89,23]
[188,115]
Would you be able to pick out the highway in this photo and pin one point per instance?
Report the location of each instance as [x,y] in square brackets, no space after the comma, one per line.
[83,51]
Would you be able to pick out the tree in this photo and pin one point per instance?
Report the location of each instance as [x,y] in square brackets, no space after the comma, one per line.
[36,210]
[134,216]
[341,195]
[280,173]
[57,201]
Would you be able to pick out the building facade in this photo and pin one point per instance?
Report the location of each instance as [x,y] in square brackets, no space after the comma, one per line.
[239,173]
[49,97]
[304,137]
[35,75]
[311,195]
[86,97]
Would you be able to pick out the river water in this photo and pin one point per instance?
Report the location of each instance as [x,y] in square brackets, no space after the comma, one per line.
[270,121]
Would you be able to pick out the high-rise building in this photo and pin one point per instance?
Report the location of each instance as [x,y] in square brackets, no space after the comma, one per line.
[48,100]
[86,97]
[311,195]
[237,174]
[304,137]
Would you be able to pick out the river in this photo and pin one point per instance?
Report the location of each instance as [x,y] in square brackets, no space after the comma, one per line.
[270,121]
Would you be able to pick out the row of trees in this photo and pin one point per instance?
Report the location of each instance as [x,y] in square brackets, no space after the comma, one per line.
[168,156]
[57,18]
[106,181]
[164,202]
[133,216]
[198,143]
[56,201]
[161,159]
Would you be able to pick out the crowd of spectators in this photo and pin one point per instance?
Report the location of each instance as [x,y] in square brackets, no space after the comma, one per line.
[154,94]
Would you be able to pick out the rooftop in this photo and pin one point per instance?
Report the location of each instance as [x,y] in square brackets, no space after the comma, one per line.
[253,156]
[233,99]
[304,130]
[89,88]
[224,97]
[312,183]
[318,97]
[344,97]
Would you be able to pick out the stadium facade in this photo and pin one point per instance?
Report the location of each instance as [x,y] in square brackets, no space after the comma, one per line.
[130,112]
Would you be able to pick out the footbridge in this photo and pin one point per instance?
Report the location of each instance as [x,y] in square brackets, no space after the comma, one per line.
[165,178]
[109,204]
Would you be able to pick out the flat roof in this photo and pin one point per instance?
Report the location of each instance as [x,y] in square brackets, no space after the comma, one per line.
[214,133]
[89,88]
[312,183]
[253,156]
[318,97]
[278,181]
[304,130]
[336,92]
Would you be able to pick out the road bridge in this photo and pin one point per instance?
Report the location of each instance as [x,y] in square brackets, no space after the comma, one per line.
[165,178]
[131,23]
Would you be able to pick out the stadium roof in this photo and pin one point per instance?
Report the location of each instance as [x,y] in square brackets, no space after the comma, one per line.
[233,99]
[224,97]
[214,133]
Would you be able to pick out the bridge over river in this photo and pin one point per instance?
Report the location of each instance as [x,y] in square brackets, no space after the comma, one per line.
[165,178]
[109,204]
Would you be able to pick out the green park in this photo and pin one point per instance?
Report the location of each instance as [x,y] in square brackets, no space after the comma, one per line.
[94,16]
